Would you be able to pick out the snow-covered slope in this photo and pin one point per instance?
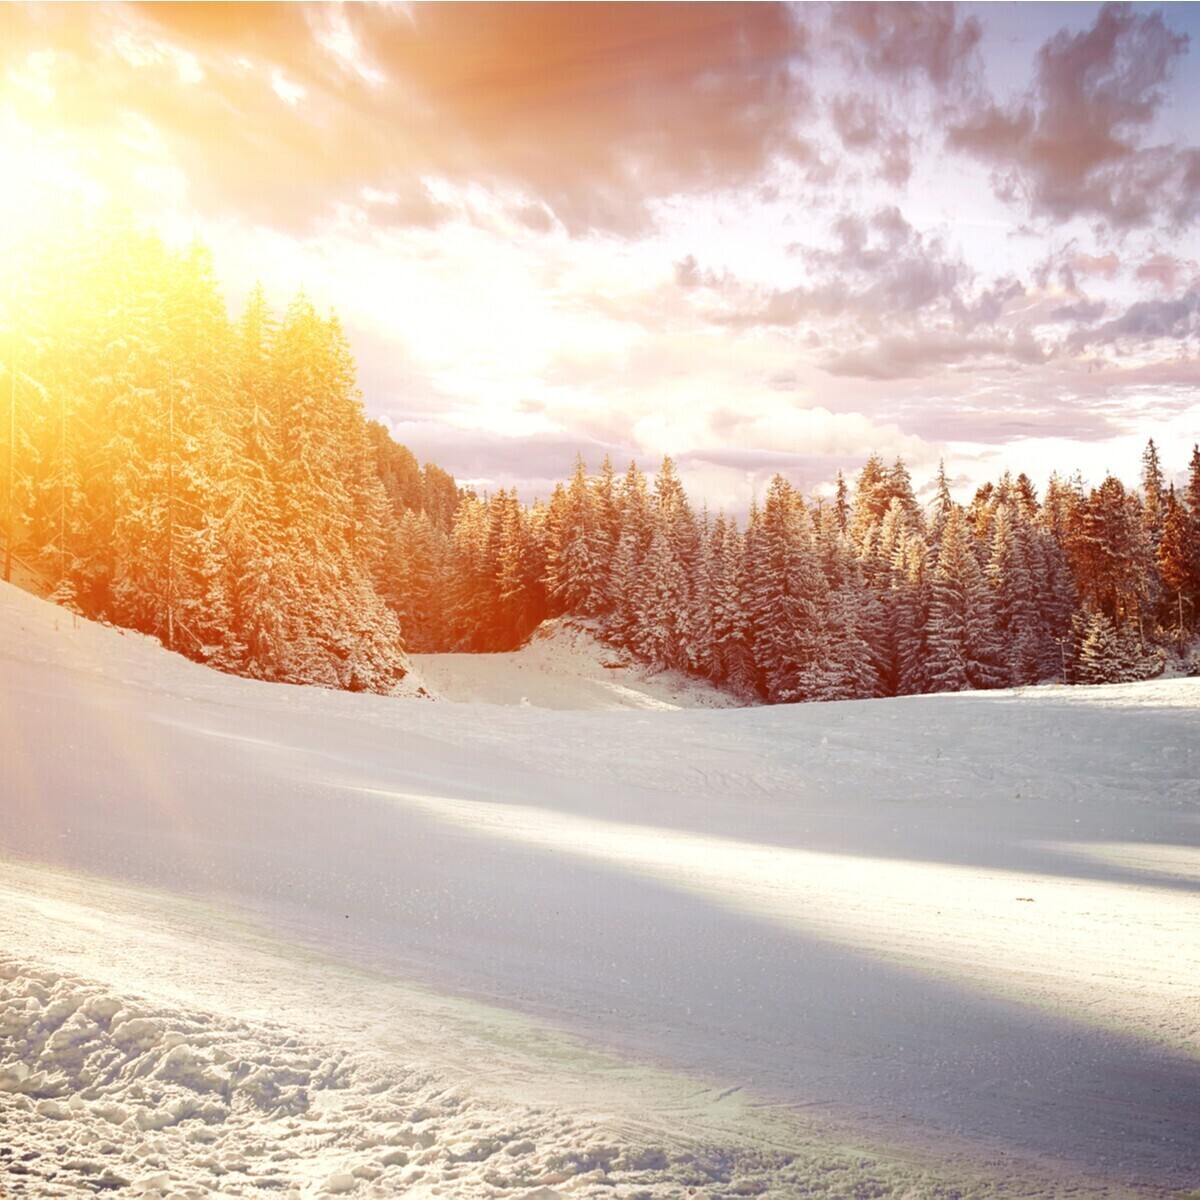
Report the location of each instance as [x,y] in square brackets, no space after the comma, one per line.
[269,940]
[563,666]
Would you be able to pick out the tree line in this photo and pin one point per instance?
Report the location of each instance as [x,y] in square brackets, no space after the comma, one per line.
[861,594]
[215,482]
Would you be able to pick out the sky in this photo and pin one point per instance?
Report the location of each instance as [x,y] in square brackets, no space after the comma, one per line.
[758,238]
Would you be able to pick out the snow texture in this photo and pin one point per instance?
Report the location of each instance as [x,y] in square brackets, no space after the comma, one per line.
[563,666]
[268,940]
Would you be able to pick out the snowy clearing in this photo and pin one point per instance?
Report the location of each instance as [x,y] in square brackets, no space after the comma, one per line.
[563,666]
[264,940]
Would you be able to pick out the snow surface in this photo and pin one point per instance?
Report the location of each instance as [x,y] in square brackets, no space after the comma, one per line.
[265,940]
[563,666]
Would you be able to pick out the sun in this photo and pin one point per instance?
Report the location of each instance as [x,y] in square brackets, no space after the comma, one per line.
[43,185]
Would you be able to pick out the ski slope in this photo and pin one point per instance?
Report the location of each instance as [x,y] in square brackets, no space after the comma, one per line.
[265,940]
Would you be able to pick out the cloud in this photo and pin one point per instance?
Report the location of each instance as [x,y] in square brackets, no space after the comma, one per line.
[1082,313]
[589,112]
[1068,265]
[807,472]
[906,41]
[880,268]
[1001,423]
[1164,270]
[409,204]
[989,306]
[489,460]
[1075,144]
[689,274]
[929,351]
[862,126]
[1147,321]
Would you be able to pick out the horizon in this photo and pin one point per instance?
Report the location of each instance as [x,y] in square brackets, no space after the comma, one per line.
[758,239]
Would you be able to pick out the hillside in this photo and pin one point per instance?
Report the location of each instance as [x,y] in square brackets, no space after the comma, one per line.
[565,666]
[270,940]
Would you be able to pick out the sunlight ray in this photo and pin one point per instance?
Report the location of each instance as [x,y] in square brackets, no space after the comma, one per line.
[1110,954]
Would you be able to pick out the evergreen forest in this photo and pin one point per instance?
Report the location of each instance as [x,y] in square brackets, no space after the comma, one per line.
[214,481]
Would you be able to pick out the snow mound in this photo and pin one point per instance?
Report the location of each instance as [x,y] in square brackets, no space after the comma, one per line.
[564,665]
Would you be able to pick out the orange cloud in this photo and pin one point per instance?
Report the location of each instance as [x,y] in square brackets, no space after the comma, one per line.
[592,110]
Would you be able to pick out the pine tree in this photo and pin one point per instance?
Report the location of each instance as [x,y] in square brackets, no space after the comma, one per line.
[1011,578]
[942,504]
[1179,564]
[785,592]
[577,564]
[659,605]
[1025,499]
[635,529]
[1154,493]
[1192,494]
[732,658]
[698,621]
[871,497]
[1105,544]
[964,650]
[1100,657]
[899,490]
[910,599]
[841,505]
[608,512]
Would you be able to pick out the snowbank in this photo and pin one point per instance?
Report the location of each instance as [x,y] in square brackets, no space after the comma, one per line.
[103,1092]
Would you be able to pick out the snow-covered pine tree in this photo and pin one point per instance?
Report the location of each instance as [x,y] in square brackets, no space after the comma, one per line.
[899,490]
[471,578]
[941,504]
[871,497]
[698,644]
[841,505]
[608,511]
[634,531]
[520,603]
[1191,495]
[880,551]
[785,592]
[1100,657]
[1108,550]
[1179,565]
[577,564]
[1008,572]
[1154,493]
[1108,654]
[840,666]
[1024,499]
[910,599]
[964,650]
[660,605]
[343,634]
[732,661]
[255,577]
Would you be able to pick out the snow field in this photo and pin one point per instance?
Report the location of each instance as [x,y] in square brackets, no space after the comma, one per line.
[1107,952]
[938,946]
[158,1095]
